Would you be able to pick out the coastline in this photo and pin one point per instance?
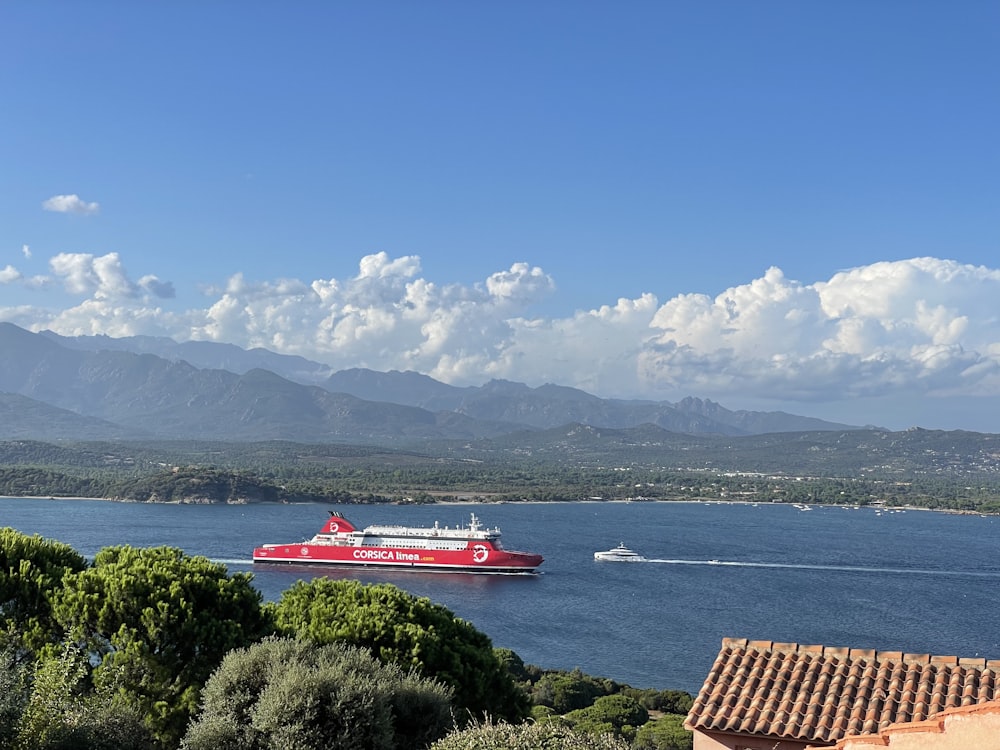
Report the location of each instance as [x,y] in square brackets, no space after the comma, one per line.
[886,508]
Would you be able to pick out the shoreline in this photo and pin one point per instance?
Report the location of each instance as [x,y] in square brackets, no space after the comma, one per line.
[886,508]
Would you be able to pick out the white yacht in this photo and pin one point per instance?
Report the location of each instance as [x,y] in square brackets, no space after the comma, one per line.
[621,553]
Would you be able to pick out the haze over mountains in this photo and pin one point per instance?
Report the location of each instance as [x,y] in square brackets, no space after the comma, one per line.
[96,387]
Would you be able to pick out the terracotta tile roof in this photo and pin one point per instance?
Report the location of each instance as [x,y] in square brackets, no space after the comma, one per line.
[940,724]
[820,694]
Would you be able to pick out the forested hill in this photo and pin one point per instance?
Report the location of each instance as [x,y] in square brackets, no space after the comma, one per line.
[958,470]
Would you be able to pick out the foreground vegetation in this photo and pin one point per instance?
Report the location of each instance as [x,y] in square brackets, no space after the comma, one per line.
[151,649]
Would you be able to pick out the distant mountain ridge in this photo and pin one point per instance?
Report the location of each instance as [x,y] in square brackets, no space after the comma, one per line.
[151,386]
[549,405]
[205,355]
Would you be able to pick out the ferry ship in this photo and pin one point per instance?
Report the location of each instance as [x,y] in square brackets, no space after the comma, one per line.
[471,548]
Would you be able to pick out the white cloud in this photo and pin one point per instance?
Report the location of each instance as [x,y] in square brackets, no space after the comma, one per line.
[161,289]
[594,350]
[70,204]
[923,326]
[102,276]
[25,251]
[920,326]
[39,281]
[521,285]
[9,274]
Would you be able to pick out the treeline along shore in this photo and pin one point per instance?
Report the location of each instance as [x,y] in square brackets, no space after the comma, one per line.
[281,472]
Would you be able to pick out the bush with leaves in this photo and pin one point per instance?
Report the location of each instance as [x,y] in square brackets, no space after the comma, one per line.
[157,623]
[31,569]
[543,713]
[567,691]
[618,714]
[60,714]
[409,631]
[664,701]
[501,736]
[664,733]
[513,663]
[285,693]
[14,691]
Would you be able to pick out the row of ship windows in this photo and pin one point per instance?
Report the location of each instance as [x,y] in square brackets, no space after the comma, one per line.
[374,541]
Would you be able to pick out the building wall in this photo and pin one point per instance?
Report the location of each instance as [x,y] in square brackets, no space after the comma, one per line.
[960,730]
[720,741]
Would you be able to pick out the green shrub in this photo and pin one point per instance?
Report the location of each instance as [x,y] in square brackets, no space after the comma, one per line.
[664,701]
[284,693]
[409,631]
[665,733]
[31,569]
[547,735]
[513,663]
[619,714]
[567,691]
[14,692]
[60,714]
[543,713]
[157,622]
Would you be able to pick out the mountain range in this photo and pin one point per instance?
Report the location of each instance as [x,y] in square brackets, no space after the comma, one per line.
[55,387]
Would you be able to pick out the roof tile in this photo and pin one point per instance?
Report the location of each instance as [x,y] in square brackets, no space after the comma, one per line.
[820,693]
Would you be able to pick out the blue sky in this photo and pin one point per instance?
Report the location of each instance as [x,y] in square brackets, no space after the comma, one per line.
[784,205]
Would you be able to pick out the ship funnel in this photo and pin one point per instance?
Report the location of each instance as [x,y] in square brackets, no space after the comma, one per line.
[337,524]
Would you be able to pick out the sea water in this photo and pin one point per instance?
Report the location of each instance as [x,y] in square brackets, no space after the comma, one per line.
[914,581]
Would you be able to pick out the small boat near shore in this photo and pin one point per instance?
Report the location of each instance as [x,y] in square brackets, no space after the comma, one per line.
[621,553]
[469,549]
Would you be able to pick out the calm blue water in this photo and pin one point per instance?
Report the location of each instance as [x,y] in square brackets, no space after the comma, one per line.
[912,581]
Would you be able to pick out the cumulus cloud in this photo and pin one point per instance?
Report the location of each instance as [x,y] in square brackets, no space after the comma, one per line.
[923,325]
[519,286]
[102,277]
[918,326]
[25,251]
[385,317]
[9,274]
[70,204]
[157,288]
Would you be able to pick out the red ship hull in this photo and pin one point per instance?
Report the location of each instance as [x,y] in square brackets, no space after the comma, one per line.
[467,549]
